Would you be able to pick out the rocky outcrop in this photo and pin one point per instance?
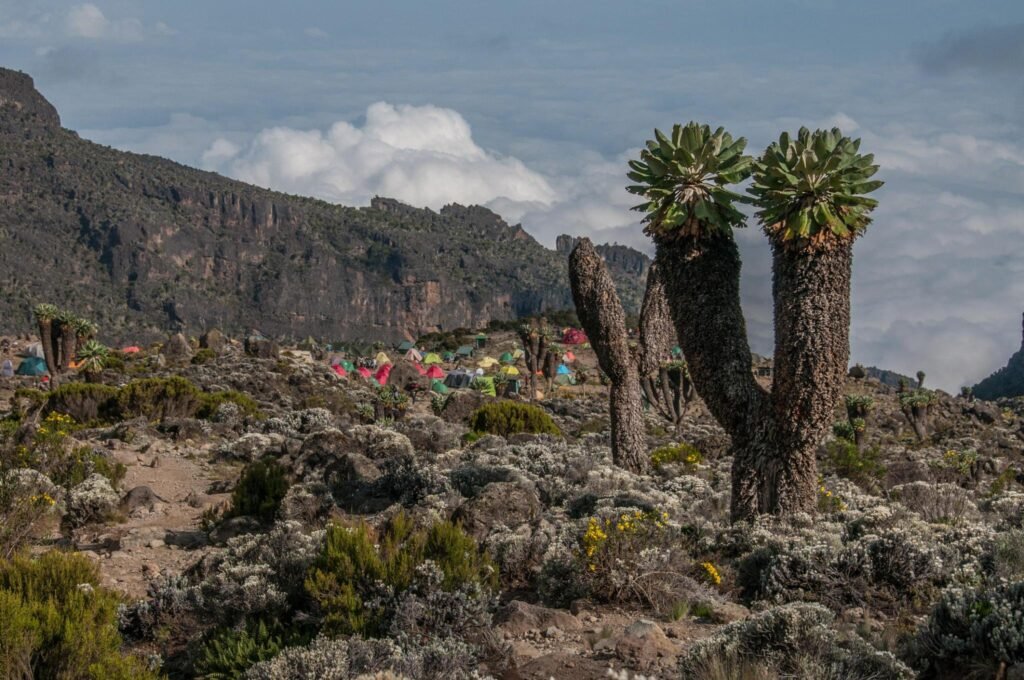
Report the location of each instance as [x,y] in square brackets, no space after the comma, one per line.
[153,246]
[1008,381]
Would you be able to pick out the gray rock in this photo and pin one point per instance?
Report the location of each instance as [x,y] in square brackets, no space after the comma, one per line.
[91,501]
[501,503]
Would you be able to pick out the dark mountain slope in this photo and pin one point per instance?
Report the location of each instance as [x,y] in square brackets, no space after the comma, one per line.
[142,244]
[1008,381]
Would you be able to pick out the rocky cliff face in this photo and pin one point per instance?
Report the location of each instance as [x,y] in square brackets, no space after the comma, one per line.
[143,245]
[1007,381]
[625,264]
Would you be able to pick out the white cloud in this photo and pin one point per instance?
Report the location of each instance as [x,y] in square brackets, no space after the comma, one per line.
[314,32]
[423,155]
[89,22]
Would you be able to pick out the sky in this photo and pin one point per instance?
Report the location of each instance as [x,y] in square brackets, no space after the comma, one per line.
[533,108]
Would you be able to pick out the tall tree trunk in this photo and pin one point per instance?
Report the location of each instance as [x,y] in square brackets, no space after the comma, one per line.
[67,343]
[656,332]
[702,281]
[46,340]
[811,291]
[602,317]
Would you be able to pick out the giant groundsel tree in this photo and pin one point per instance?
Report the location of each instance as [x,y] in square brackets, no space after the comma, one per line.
[810,199]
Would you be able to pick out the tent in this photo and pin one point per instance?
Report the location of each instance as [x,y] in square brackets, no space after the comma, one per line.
[574,336]
[341,372]
[509,370]
[518,353]
[382,374]
[406,346]
[365,372]
[335,360]
[438,387]
[481,340]
[465,351]
[485,384]
[568,357]
[677,351]
[487,362]
[32,366]
[506,358]
[382,359]
[420,369]
[565,379]
[347,365]
[431,358]
[413,355]
[458,379]
[131,349]
[34,350]
[449,356]
[435,372]
[563,370]
[7,369]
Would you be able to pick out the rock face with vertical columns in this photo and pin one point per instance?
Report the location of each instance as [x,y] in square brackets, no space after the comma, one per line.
[1007,381]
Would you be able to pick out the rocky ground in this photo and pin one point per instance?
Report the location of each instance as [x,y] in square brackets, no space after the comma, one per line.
[905,523]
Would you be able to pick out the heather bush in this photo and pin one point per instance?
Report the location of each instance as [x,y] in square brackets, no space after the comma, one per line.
[971,629]
[260,490]
[506,418]
[846,460]
[792,641]
[57,622]
[357,575]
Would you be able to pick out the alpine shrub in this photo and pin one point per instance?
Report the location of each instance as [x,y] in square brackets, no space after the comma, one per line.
[509,417]
[259,492]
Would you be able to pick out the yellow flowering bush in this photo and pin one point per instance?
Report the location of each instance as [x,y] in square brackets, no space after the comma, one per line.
[711,573]
[828,501]
[612,550]
[685,454]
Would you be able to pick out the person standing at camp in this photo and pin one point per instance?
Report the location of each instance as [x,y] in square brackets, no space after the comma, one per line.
[7,368]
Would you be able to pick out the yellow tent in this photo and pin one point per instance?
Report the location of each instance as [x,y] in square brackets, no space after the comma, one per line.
[382,359]
[517,353]
[487,362]
[432,358]
[509,370]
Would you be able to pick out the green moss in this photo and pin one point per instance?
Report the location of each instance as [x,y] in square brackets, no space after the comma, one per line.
[509,417]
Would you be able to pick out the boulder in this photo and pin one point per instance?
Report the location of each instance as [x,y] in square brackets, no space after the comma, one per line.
[252,446]
[264,348]
[214,341]
[518,618]
[500,503]
[644,645]
[236,526]
[461,404]
[91,501]
[140,498]
[380,443]
[177,349]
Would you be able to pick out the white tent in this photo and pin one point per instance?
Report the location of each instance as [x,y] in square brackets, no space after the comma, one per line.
[413,355]
[33,350]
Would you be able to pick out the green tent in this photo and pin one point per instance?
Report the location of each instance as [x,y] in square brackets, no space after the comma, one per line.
[565,379]
[405,346]
[348,365]
[33,366]
[465,351]
[449,356]
[677,351]
[438,386]
[506,358]
[485,384]
[481,340]
[431,358]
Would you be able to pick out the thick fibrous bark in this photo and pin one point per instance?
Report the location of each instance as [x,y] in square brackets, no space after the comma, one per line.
[918,417]
[657,334]
[535,351]
[67,346]
[46,340]
[602,317]
[811,293]
[774,435]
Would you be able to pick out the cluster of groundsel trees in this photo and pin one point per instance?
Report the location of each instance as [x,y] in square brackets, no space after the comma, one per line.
[809,193]
[65,336]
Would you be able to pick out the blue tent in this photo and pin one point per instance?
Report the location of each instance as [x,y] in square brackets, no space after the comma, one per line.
[563,369]
[32,366]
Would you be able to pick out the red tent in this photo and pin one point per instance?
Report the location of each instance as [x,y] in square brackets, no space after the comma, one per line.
[131,349]
[419,369]
[365,372]
[340,370]
[382,374]
[435,372]
[574,336]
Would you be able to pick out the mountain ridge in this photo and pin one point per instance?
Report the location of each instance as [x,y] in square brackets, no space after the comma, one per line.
[145,245]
